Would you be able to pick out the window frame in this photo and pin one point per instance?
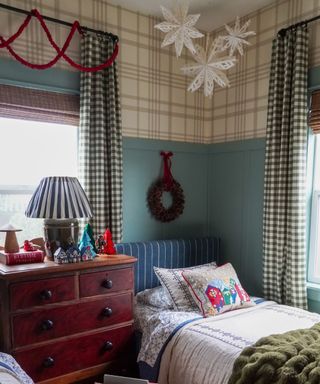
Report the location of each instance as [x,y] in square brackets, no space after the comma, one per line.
[16,189]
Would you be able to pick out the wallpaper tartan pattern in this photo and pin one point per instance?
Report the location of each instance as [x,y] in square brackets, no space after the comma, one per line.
[284,221]
[155,103]
[100,137]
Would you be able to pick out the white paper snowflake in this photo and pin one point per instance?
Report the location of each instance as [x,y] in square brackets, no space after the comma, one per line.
[210,68]
[236,38]
[179,27]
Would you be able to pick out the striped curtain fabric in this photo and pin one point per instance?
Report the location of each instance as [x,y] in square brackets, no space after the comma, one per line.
[284,224]
[100,136]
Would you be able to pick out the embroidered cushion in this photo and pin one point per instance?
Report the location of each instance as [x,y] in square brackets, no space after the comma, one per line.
[174,283]
[217,290]
[156,297]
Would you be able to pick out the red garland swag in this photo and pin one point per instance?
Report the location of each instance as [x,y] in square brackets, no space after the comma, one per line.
[60,52]
[166,184]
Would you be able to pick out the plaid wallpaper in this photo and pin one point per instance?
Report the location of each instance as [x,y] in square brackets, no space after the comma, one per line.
[155,103]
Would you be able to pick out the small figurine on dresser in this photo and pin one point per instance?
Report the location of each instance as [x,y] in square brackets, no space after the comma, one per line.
[100,243]
[74,254]
[71,254]
[28,246]
[105,244]
[87,250]
[89,231]
[60,256]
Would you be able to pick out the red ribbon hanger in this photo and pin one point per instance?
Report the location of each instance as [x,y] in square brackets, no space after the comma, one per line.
[167,175]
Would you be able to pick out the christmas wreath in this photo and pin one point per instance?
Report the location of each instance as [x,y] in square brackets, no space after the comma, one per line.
[167,184]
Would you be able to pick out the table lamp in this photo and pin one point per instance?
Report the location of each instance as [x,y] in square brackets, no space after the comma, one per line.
[60,201]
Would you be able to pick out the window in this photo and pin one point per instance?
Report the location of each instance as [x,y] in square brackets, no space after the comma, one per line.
[38,138]
[314,244]
[29,151]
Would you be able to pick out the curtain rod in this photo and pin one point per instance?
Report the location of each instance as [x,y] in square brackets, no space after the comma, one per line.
[304,22]
[58,21]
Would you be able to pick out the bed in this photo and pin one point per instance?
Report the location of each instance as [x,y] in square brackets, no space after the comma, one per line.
[182,346]
[11,372]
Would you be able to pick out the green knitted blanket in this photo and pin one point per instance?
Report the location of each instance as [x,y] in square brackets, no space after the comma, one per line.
[289,358]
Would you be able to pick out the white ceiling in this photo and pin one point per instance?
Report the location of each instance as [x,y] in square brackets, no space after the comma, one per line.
[214,13]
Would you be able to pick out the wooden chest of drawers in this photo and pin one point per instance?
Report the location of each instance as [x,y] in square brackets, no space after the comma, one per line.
[64,323]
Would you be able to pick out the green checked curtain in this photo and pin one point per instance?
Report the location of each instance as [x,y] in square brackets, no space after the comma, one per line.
[285,171]
[100,136]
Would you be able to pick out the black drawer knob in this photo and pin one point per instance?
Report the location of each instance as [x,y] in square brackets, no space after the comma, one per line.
[107,346]
[107,284]
[48,362]
[107,312]
[46,325]
[46,294]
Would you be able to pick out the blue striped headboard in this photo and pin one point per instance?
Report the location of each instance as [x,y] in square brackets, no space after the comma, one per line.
[168,254]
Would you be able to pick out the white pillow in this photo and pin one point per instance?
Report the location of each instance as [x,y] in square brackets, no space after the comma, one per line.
[156,297]
[177,288]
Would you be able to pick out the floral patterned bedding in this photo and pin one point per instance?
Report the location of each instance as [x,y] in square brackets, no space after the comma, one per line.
[11,372]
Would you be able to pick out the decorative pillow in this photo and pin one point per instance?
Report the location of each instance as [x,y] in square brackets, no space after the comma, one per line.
[156,297]
[177,288]
[217,290]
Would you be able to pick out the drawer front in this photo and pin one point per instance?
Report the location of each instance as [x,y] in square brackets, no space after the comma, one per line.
[41,292]
[78,353]
[99,283]
[48,324]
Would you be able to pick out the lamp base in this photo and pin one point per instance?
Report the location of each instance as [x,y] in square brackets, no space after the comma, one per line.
[59,233]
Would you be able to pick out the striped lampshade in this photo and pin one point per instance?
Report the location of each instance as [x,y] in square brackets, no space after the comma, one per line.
[59,198]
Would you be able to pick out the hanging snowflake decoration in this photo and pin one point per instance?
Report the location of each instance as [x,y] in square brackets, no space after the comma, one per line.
[236,38]
[179,27]
[210,68]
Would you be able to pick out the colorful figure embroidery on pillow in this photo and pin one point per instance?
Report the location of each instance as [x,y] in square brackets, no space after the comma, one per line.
[227,296]
[221,294]
[243,296]
[215,296]
[233,292]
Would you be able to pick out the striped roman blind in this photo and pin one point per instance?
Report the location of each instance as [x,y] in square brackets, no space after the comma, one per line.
[37,105]
[314,111]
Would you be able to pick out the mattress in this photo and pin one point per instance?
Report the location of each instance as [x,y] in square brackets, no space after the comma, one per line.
[182,347]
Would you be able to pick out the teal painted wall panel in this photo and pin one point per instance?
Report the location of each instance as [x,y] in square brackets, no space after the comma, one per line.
[53,79]
[142,166]
[236,206]
[253,219]
[313,297]
[225,202]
